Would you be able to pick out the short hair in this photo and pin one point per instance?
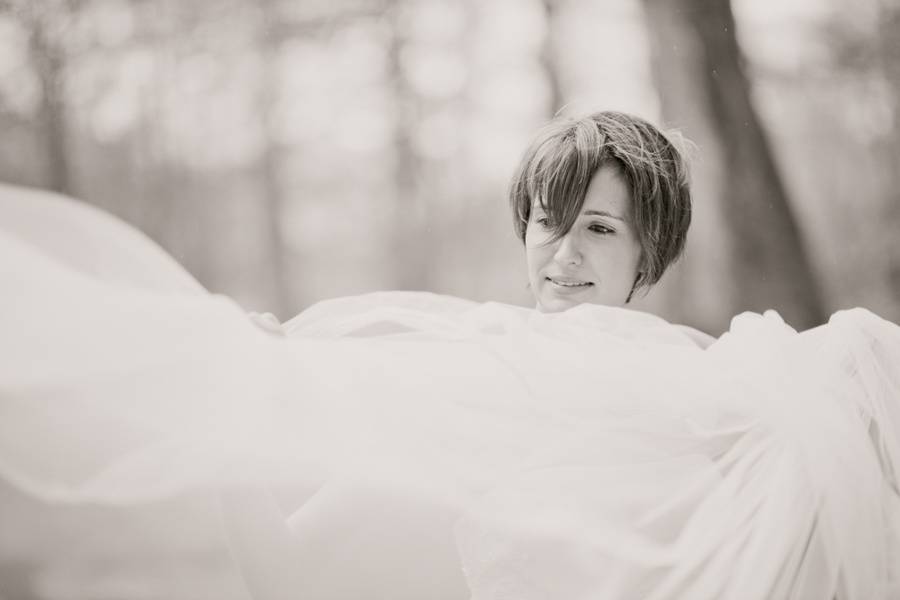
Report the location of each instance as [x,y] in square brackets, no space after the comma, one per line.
[558,166]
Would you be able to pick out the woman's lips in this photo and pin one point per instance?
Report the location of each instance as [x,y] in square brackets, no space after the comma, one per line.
[568,284]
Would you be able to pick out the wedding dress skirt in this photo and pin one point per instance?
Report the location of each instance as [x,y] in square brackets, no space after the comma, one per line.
[596,453]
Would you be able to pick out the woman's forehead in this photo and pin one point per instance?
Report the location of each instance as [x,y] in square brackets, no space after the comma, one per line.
[607,195]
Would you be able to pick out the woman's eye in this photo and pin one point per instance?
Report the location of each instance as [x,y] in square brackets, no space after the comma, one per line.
[544,222]
[602,229]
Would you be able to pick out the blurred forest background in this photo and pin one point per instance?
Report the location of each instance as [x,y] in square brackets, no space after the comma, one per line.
[288,151]
[291,151]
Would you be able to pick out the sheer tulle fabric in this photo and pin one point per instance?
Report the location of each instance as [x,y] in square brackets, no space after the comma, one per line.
[596,453]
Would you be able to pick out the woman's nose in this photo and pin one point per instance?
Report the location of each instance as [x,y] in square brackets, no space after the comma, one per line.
[568,251]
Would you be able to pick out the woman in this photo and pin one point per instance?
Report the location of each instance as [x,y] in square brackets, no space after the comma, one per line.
[448,449]
[602,205]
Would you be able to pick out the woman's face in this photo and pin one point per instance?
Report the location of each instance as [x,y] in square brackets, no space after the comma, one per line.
[597,260]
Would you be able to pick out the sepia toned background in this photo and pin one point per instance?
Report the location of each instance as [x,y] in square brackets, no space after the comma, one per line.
[289,151]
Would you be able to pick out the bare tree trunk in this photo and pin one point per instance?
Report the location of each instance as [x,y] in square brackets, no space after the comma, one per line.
[410,254]
[889,58]
[548,58]
[704,89]
[49,60]
[270,170]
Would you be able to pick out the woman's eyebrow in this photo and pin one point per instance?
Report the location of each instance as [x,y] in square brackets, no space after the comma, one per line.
[603,213]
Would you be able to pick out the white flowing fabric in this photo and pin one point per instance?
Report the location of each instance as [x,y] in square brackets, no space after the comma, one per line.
[596,453]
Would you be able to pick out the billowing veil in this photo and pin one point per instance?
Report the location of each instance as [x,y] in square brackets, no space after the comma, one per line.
[595,453]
